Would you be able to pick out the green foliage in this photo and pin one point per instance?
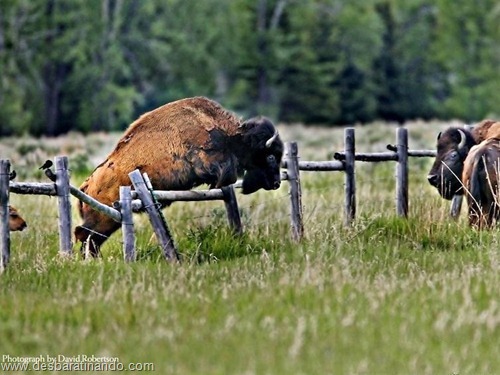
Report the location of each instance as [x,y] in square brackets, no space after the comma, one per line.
[96,65]
[468,48]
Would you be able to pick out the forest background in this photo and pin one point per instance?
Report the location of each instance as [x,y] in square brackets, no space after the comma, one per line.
[95,65]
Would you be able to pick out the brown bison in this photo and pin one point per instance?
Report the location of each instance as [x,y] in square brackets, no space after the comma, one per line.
[181,145]
[481,182]
[453,145]
[16,222]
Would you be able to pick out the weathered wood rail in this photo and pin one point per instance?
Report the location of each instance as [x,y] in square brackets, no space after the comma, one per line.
[345,161]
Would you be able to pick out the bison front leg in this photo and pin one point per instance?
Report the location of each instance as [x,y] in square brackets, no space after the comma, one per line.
[91,246]
[93,236]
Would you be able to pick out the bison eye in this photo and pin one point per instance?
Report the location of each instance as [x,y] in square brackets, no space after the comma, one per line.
[454,155]
[271,159]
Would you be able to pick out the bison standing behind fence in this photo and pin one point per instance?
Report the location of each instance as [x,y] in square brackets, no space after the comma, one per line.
[453,146]
[467,163]
[181,145]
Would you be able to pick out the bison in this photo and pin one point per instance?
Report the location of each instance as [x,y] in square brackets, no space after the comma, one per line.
[481,182]
[181,145]
[16,222]
[453,145]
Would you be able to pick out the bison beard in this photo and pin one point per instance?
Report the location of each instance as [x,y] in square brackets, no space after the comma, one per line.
[181,145]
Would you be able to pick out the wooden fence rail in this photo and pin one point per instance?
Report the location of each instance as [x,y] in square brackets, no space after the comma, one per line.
[144,197]
[400,154]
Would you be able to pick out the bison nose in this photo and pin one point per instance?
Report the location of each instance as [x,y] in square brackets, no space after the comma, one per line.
[277,184]
[433,179]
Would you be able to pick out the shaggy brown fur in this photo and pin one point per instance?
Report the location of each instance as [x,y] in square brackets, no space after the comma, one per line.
[493,131]
[181,145]
[481,131]
[16,222]
[481,180]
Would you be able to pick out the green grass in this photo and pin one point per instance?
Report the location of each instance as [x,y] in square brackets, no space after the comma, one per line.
[385,296]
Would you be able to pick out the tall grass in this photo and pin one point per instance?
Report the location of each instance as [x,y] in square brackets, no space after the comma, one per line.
[385,296]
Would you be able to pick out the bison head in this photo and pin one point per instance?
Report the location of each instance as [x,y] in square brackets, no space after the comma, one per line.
[453,145]
[261,155]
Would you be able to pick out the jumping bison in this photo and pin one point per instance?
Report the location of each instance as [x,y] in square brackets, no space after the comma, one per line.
[453,146]
[181,145]
[16,222]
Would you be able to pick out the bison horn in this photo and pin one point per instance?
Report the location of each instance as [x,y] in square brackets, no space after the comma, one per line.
[270,141]
[463,139]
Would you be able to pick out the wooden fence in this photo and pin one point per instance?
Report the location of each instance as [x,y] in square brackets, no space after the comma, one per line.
[143,197]
[148,200]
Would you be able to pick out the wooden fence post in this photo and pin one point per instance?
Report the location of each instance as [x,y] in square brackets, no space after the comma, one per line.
[127,224]
[64,204]
[4,214]
[293,177]
[350,176]
[158,222]
[233,213]
[402,172]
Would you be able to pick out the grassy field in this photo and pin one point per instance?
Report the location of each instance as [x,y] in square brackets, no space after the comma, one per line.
[385,296]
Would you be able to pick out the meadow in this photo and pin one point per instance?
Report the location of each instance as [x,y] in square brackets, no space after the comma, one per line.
[386,295]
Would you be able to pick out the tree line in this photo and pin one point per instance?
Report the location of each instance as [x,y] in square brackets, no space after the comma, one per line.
[95,65]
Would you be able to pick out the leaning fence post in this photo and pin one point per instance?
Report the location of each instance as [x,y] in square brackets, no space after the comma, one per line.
[64,204]
[4,214]
[350,176]
[158,222]
[402,172]
[233,213]
[292,164]
[127,224]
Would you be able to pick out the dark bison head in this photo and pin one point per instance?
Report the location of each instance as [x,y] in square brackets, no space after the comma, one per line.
[261,155]
[453,145]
